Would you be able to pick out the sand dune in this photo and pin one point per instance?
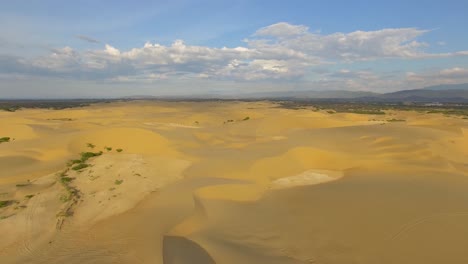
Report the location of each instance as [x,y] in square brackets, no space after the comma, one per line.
[199,182]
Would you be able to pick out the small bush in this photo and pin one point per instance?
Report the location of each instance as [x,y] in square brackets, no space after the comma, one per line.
[22,184]
[4,139]
[29,196]
[118,182]
[119,150]
[246,118]
[90,145]
[108,148]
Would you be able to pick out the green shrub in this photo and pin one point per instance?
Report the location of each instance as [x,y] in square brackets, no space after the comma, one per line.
[65,180]
[4,139]
[108,148]
[86,155]
[118,182]
[246,118]
[119,150]
[5,203]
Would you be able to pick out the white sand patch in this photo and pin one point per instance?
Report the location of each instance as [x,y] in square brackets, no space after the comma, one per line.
[310,177]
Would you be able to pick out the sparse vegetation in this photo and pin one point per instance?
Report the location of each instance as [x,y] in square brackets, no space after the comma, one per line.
[80,166]
[396,120]
[73,162]
[65,197]
[29,196]
[66,180]
[4,139]
[87,155]
[90,145]
[376,108]
[5,203]
[22,184]
[108,148]
[60,119]
[119,150]
[118,182]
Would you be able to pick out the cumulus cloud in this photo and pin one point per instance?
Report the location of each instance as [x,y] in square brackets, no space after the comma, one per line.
[279,51]
[358,45]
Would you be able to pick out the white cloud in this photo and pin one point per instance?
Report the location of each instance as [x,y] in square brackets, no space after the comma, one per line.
[282,30]
[444,76]
[278,51]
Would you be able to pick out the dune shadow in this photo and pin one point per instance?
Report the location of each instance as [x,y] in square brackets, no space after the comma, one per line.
[180,250]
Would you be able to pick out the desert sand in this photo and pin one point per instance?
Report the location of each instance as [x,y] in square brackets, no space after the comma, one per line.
[231,182]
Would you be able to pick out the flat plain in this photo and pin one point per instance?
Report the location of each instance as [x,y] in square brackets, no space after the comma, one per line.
[232,182]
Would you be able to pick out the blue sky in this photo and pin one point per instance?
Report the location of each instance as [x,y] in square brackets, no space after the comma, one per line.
[115,48]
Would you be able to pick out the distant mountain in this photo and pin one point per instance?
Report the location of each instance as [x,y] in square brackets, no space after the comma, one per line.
[423,95]
[462,86]
[138,97]
[439,93]
[331,94]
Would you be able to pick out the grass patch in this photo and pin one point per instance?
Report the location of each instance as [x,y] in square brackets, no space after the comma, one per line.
[65,197]
[80,166]
[118,182]
[119,150]
[73,162]
[22,184]
[4,139]
[87,155]
[66,180]
[5,203]
[396,120]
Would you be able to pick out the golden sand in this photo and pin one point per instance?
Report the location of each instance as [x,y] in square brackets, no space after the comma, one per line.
[198,182]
